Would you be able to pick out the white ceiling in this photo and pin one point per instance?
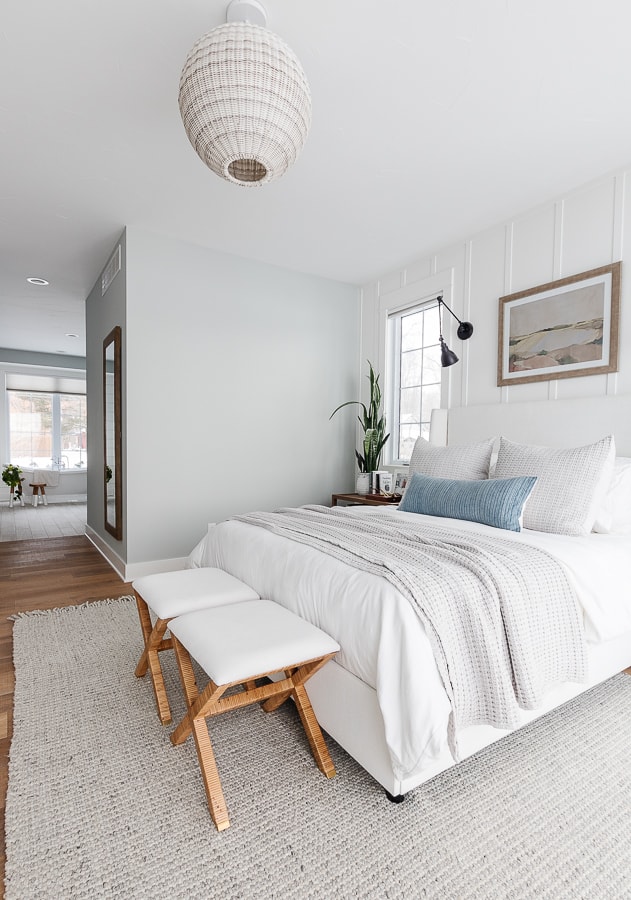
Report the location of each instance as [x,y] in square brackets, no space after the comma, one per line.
[431,120]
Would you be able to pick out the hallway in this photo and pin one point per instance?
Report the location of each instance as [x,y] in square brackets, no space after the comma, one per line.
[24,523]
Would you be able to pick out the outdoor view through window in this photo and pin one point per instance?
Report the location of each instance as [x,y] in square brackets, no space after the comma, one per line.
[417,369]
[47,430]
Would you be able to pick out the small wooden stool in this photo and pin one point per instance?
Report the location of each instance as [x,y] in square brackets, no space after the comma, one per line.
[170,594]
[16,493]
[37,488]
[236,645]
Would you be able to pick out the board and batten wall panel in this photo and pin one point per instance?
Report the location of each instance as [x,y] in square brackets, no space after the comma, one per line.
[573,233]
[532,251]
[588,227]
[585,246]
[485,278]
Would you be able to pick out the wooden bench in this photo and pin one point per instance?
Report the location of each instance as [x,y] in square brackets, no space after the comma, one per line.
[238,645]
[15,493]
[39,488]
[170,594]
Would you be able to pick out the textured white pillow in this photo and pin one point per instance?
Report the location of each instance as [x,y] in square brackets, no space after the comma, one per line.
[570,483]
[470,462]
[614,513]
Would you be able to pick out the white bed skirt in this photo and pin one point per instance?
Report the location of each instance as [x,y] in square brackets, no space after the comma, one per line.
[348,710]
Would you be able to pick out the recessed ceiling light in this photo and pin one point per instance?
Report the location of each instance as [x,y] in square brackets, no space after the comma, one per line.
[37,281]
[71,334]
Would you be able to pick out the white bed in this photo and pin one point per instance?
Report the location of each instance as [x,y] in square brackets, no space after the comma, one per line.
[383,699]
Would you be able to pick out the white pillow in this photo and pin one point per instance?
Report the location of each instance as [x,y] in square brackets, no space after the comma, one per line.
[614,513]
[468,463]
[571,483]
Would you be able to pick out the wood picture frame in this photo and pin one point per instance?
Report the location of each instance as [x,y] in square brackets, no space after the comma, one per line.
[112,434]
[562,329]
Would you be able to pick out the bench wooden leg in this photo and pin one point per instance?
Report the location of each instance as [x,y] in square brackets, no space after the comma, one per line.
[210,775]
[189,688]
[153,636]
[213,700]
[307,716]
[153,660]
[298,676]
[313,732]
[146,626]
[199,728]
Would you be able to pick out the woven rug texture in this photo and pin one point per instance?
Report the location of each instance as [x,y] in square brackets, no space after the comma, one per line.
[101,805]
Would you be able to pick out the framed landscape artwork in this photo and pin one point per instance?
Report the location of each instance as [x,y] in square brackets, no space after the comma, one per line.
[562,329]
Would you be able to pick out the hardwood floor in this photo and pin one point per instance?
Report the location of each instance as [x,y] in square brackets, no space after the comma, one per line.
[42,574]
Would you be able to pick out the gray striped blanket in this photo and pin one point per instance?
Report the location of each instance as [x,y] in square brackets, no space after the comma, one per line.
[502,616]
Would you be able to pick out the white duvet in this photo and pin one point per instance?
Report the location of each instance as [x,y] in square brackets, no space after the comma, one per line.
[382,639]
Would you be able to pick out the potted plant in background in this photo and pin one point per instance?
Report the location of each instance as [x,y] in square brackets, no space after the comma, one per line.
[373,423]
[11,475]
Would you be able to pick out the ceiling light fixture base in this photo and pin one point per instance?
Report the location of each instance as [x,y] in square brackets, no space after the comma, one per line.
[247,11]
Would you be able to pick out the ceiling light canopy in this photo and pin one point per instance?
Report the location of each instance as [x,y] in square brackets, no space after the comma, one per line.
[244,99]
[37,281]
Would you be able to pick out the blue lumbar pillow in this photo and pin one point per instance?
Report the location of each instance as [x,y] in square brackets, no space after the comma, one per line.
[498,502]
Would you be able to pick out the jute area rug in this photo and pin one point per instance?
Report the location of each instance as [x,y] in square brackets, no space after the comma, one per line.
[100,804]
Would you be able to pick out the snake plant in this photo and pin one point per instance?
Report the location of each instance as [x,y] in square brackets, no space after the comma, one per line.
[373,423]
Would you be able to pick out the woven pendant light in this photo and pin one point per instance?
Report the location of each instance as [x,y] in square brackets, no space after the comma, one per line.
[245,101]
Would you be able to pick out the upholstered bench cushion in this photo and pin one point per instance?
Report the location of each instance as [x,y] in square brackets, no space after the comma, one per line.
[171,594]
[237,642]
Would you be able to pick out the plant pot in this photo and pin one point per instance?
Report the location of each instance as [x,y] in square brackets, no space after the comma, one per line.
[362,483]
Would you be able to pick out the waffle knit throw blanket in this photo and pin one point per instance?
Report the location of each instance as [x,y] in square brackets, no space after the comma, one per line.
[502,616]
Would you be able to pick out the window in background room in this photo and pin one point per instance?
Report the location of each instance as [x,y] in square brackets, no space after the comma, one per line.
[414,348]
[47,429]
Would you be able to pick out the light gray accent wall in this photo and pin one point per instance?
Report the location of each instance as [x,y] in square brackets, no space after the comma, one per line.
[233,368]
[102,314]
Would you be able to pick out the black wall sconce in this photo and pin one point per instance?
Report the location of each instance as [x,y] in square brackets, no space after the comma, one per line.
[465,330]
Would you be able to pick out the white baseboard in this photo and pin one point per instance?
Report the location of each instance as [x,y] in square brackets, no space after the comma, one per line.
[115,561]
[129,572]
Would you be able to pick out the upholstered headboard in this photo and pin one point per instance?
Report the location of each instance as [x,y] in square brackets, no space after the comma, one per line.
[551,423]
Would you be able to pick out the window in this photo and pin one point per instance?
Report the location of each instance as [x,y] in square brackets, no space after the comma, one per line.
[47,429]
[414,349]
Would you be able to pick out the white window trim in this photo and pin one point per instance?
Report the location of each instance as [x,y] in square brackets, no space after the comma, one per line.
[56,417]
[408,297]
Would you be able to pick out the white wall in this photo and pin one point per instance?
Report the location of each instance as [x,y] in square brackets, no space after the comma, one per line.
[572,234]
[232,369]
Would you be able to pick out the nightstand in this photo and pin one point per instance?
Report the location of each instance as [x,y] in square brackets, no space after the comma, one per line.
[364,500]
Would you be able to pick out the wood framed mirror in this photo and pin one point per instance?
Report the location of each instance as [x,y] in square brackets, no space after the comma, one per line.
[112,433]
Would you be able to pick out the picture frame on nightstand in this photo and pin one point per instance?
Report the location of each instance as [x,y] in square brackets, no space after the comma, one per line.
[400,480]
